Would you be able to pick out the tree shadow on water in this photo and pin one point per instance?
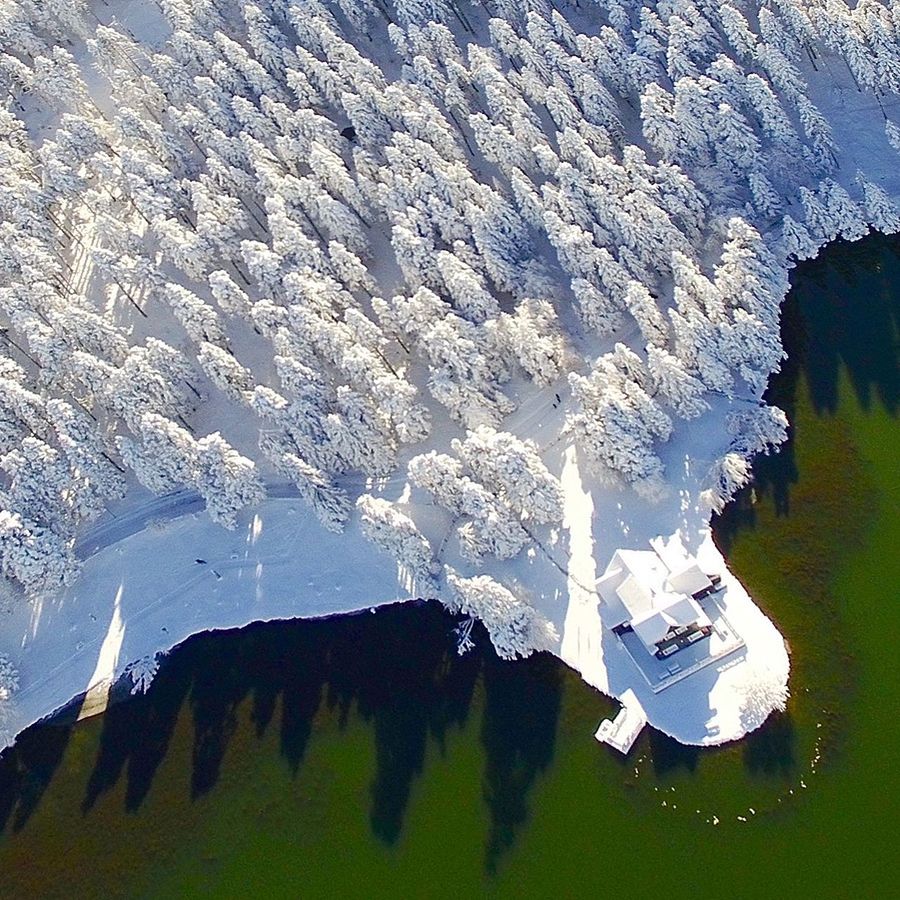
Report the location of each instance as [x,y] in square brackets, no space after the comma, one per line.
[135,737]
[397,671]
[26,770]
[521,713]
[771,749]
[215,695]
[304,673]
[842,314]
[292,670]
[408,681]
[849,307]
[206,671]
[214,673]
[669,756]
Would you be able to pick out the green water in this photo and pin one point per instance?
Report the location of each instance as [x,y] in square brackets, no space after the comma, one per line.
[361,757]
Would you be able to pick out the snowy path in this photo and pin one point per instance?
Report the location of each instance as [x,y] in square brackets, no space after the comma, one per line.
[157,510]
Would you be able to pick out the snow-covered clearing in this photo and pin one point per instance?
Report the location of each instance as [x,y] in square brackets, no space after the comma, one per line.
[417,299]
[145,592]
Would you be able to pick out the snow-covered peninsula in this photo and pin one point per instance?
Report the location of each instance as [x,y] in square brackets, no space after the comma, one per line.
[309,306]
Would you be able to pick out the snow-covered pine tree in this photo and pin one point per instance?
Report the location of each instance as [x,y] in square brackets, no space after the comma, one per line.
[513,469]
[596,307]
[466,288]
[493,528]
[33,555]
[224,371]
[640,303]
[9,679]
[97,479]
[680,389]
[533,335]
[515,628]
[758,429]
[393,531]
[330,503]
[726,477]
[231,298]
[360,434]
[796,241]
[227,481]
[616,424]
[881,212]
[40,486]
[442,476]
[200,320]
[166,457]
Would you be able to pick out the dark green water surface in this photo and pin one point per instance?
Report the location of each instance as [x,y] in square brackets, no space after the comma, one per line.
[362,757]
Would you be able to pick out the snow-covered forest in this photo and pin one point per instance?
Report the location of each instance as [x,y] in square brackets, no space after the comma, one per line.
[344,244]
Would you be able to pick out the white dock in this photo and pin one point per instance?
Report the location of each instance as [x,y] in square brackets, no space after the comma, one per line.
[622,731]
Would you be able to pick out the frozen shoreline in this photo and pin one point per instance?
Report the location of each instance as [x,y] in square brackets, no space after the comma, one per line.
[280,564]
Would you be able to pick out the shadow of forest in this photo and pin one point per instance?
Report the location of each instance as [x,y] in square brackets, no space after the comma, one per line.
[841,315]
[398,671]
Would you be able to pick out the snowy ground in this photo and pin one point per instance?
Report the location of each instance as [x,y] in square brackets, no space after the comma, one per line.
[145,592]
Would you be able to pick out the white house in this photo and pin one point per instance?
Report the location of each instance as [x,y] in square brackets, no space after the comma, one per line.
[654,592]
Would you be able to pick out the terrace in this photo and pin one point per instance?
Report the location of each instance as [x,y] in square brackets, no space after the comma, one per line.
[697,649]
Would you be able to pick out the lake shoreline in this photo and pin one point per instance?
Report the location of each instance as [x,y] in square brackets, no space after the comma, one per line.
[381,579]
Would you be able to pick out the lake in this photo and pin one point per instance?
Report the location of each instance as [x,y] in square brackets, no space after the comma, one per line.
[361,756]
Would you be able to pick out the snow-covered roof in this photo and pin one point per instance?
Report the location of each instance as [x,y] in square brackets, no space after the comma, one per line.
[614,611]
[646,566]
[651,589]
[652,628]
[670,611]
[635,595]
[630,582]
[647,570]
[689,580]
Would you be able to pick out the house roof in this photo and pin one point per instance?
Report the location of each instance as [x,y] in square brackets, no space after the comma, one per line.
[635,596]
[627,586]
[690,579]
[652,628]
[670,611]
[646,565]
[651,589]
